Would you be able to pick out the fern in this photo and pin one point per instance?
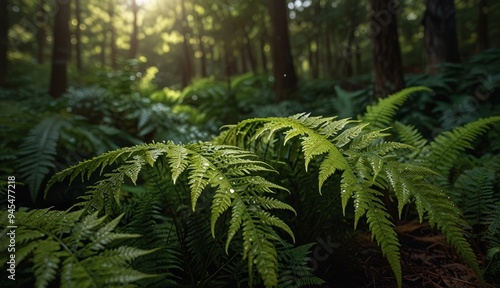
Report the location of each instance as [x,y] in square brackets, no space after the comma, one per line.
[381,114]
[445,148]
[38,152]
[230,171]
[74,252]
[294,271]
[367,167]
[475,186]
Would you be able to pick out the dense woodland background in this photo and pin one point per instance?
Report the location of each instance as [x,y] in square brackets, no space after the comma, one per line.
[81,78]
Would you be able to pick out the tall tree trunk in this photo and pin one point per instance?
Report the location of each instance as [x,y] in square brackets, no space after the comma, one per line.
[78,35]
[103,51]
[440,32]
[349,50]
[263,57]
[283,69]
[186,68]
[4,39]
[59,76]
[41,34]
[201,46]
[112,38]
[482,26]
[249,51]
[134,43]
[328,55]
[386,53]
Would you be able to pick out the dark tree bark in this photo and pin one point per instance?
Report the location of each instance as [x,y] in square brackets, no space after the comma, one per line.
[78,35]
[263,56]
[112,38]
[59,76]
[249,51]
[328,55]
[440,32]
[4,39]
[41,34]
[283,68]
[482,26]
[186,68]
[201,46]
[134,43]
[386,52]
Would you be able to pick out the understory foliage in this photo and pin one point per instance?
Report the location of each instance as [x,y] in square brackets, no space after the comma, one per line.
[168,214]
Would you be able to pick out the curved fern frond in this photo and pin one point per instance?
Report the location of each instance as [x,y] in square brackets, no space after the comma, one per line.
[381,114]
[329,138]
[231,172]
[76,255]
[475,186]
[444,149]
[368,168]
[38,152]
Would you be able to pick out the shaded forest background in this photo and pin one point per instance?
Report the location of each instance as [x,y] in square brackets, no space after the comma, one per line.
[82,78]
[177,42]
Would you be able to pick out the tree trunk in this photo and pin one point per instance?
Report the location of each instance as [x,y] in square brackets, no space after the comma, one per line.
[112,38]
[440,32]
[328,52]
[41,34]
[78,35]
[186,68]
[482,26]
[203,50]
[386,53]
[134,43]
[4,39]
[283,69]
[263,57]
[248,48]
[59,76]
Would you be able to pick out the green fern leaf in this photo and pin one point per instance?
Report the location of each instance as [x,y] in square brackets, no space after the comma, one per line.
[381,114]
[38,152]
[46,262]
[445,148]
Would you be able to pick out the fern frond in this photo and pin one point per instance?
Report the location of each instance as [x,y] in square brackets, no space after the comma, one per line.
[367,166]
[70,256]
[410,135]
[445,148]
[228,170]
[293,268]
[381,114]
[38,152]
[475,186]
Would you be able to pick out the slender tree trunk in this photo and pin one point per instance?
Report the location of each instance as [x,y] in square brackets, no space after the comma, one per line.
[41,34]
[229,60]
[263,57]
[78,35]
[103,51]
[328,55]
[248,49]
[283,68]
[348,55]
[203,50]
[4,39]
[440,32]
[186,68]
[386,53]
[482,26]
[112,32]
[59,77]
[134,43]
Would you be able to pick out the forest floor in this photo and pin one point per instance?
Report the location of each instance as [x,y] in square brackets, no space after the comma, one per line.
[427,261]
